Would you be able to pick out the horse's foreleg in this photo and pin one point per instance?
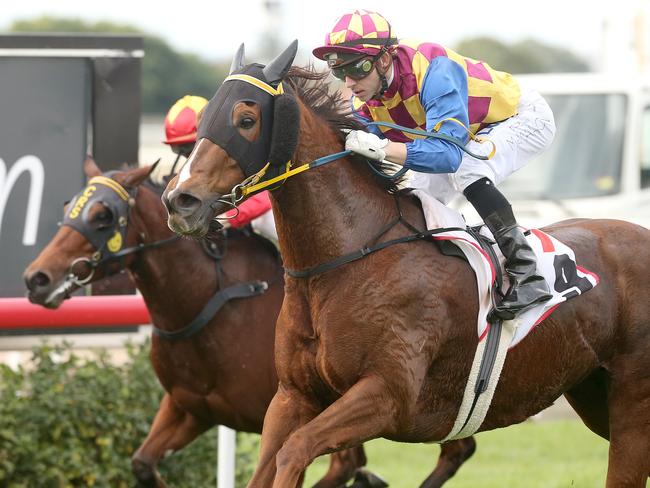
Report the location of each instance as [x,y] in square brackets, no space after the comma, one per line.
[171,430]
[288,411]
[343,465]
[364,412]
[452,456]
[629,425]
[589,400]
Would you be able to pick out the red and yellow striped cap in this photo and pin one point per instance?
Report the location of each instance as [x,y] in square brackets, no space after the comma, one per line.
[358,32]
[181,120]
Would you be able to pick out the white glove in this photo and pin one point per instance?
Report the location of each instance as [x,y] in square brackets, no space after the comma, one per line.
[366,144]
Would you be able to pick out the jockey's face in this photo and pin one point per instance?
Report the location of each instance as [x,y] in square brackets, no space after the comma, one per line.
[365,88]
[369,86]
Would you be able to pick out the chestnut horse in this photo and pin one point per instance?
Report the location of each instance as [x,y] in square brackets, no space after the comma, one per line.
[382,346]
[224,374]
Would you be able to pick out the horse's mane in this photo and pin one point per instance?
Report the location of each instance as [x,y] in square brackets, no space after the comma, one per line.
[310,86]
[157,187]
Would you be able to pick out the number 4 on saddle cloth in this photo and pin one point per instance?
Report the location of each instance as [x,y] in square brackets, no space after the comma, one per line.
[555,262]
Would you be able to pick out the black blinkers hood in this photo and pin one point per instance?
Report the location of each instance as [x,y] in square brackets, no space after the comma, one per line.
[105,239]
[216,123]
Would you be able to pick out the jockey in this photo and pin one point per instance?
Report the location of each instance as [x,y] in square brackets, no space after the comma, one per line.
[181,122]
[421,84]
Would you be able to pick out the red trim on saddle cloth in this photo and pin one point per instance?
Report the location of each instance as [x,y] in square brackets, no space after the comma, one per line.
[485,332]
[546,314]
[480,249]
[539,321]
[547,244]
[590,273]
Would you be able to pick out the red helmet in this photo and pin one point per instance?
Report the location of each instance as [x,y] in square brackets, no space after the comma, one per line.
[359,32]
[181,120]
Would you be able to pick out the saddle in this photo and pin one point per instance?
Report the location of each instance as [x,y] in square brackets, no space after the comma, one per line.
[555,262]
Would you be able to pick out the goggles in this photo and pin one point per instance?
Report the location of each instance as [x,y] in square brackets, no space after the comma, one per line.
[356,70]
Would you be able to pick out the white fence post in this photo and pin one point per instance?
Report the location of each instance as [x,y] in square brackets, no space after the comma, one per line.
[226,458]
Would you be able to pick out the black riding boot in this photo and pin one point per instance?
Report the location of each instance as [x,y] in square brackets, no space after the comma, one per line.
[527,288]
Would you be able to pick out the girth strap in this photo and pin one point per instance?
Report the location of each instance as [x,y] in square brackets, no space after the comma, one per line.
[240,290]
[353,256]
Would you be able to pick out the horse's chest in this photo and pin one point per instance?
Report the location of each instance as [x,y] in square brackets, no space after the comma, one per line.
[186,366]
[326,340]
[191,401]
[338,359]
[335,375]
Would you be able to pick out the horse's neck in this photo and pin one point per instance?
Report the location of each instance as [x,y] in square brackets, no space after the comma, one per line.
[170,276]
[329,211]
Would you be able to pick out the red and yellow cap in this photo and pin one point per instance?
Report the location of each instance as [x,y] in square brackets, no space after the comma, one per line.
[181,120]
[358,32]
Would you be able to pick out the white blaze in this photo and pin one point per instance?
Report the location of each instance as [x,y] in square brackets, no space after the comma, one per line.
[185,172]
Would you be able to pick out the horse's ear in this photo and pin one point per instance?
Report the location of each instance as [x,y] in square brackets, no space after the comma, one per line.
[238,60]
[136,176]
[90,167]
[286,125]
[276,70]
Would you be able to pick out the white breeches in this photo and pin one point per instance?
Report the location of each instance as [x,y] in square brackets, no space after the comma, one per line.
[264,225]
[517,139]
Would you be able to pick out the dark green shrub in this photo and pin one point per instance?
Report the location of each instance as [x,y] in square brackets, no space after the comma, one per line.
[67,421]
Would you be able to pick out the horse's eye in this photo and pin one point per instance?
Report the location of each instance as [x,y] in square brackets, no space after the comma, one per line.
[103,219]
[246,123]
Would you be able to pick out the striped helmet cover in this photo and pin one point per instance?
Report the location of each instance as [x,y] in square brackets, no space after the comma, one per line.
[352,29]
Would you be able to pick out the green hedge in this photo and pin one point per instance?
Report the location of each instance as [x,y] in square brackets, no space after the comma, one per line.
[67,421]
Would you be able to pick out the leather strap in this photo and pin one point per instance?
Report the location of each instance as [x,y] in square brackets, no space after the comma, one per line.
[240,290]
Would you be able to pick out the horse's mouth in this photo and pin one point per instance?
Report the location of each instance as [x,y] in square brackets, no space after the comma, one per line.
[195,226]
[198,223]
[56,297]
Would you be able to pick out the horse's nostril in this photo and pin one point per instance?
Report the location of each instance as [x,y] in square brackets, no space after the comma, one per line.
[185,201]
[37,280]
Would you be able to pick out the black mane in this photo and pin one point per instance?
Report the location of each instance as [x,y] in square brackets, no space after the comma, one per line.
[310,86]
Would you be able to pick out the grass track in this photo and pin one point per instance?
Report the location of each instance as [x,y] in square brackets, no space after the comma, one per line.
[551,454]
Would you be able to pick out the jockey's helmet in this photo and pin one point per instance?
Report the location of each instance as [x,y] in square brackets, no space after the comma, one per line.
[181,120]
[356,34]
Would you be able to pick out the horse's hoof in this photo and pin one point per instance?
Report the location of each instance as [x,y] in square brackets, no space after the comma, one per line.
[146,475]
[143,473]
[365,479]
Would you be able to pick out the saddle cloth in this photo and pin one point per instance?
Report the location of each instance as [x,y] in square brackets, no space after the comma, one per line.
[555,262]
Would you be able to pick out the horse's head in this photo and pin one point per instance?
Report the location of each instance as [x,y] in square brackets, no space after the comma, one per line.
[249,123]
[94,230]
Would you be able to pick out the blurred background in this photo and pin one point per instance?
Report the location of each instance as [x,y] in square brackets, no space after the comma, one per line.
[188,51]
[591,60]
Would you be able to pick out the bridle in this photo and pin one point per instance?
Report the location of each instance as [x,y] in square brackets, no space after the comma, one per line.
[109,239]
[264,86]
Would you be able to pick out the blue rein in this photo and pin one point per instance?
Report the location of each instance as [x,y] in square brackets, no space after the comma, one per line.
[433,135]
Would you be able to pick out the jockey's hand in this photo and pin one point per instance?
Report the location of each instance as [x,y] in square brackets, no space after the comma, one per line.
[366,144]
